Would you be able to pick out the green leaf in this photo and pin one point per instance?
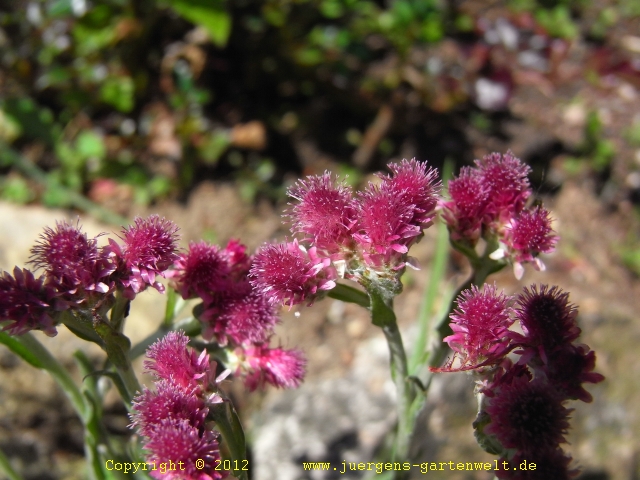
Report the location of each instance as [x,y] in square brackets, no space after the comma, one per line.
[90,145]
[209,14]
[22,350]
[118,92]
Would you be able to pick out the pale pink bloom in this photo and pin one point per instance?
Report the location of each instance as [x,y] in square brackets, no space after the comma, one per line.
[276,366]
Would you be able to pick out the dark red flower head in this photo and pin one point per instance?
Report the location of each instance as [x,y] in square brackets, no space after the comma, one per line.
[150,248]
[547,318]
[527,415]
[202,271]
[71,261]
[26,303]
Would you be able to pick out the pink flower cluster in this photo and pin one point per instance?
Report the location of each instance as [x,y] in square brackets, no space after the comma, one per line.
[524,408]
[238,317]
[172,419]
[356,236]
[489,201]
[78,273]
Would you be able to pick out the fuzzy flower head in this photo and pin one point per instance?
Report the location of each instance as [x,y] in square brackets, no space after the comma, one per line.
[480,325]
[26,303]
[170,401]
[288,273]
[149,249]
[465,211]
[323,212]
[71,261]
[201,271]
[276,366]
[527,415]
[528,235]
[505,176]
[417,185]
[170,359]
[547,318]
[185,446]
[393,214]
[243,319]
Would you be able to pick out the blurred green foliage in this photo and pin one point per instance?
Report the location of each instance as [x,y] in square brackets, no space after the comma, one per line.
[159,94]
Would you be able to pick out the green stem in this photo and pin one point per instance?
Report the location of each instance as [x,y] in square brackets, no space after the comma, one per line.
[383,316]
[349,294]
[405,390]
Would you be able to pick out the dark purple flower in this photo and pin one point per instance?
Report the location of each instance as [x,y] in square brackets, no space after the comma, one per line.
[149,249]
[528,416]
[26,303]
[505,176]
[288,273]
[179,447]
[569,367]
[547,318]
[170,401]
[480,325]
[276,366]
[170,359]
[72,263]
[324,212]
[465,211]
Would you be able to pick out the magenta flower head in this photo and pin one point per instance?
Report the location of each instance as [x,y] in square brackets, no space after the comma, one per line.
[72,263]
[527,416]
[170,359]
[276,366]
[547,319]
[194,453]
[288,273]
[464,213]
[26,303]
[417,185]
[171,401]
[480,325]
[506,178]
[528,235]
[149,249]
[202,271]
[324,212]
[243,319]
[393,214]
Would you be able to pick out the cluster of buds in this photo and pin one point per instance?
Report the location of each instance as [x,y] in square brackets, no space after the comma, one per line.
[77,274]
[522,413]
[238,317]
[489,201]
[173,419]
[363,236]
